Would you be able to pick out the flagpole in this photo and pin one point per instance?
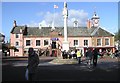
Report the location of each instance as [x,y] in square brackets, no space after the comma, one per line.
[55,6]
[54,15]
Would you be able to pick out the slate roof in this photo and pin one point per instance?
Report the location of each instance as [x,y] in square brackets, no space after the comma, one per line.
[16,30]
[102,32]
[72,31]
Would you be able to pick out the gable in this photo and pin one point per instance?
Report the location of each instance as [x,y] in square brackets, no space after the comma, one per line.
[102,32]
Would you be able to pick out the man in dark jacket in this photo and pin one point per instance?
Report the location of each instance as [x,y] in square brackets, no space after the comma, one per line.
[33,61]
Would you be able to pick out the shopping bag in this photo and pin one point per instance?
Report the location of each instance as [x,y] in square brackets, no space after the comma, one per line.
[26,74]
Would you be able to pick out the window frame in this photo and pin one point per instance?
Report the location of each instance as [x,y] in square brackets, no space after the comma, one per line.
[85,43]
[100,42]
[37,43]
[108,41]
[76,43]
[44,42]
[16,43]
[29,44]
[17,36]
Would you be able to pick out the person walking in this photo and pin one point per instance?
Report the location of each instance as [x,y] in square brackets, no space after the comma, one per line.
[95,57]
[79,56]
[33,61]
[89,55]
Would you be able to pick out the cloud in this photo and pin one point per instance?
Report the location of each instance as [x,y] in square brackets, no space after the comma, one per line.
[31,24]
[80,15]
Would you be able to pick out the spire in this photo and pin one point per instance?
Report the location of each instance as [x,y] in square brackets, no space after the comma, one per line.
[95,16]
[95,20]
[95,13]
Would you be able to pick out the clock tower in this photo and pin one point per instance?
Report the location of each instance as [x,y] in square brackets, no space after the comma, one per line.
[95,20]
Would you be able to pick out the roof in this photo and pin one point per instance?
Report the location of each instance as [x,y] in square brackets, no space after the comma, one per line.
[16,29]
[72,31]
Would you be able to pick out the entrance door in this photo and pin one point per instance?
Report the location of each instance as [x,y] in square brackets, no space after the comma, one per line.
[53,44]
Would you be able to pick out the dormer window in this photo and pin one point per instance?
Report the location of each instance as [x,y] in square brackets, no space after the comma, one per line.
[17,36]
[59,33]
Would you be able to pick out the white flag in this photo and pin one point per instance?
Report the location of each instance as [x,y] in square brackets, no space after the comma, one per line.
[55,6]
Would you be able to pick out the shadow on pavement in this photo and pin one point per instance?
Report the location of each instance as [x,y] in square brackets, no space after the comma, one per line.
[66,72]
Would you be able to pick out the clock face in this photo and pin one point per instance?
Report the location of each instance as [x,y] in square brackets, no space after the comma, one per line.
[96,21]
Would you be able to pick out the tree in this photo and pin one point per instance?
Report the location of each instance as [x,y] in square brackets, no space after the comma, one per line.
[117,36]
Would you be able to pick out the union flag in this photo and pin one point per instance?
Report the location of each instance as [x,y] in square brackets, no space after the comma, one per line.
[55,6]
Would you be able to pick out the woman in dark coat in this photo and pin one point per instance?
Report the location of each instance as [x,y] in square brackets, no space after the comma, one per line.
[33,61]
[95,57]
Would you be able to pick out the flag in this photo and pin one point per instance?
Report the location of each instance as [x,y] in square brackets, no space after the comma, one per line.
[55,6]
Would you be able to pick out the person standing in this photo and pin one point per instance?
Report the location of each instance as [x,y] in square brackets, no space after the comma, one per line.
[95,57]
[72,53]
[33,61]
[47,52]
[40,52]
[79,56]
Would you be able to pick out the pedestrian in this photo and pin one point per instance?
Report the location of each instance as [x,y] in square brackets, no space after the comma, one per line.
[89,55]
[86,53]
[79,56]
[116,54]
[33,61]
[75,54]
[40,52]
[63,54]
[95,57]
[72,53]
[47,52]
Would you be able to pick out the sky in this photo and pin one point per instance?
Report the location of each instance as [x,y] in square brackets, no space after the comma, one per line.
[35,13]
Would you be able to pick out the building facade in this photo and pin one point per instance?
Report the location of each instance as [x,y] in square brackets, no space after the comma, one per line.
[23,37]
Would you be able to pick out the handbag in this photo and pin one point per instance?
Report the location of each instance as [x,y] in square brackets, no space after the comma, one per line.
[26,74]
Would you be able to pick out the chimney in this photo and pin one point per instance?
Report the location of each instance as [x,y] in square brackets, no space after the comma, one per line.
[21,30]
[89,24]
[40,26]
[14,24]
